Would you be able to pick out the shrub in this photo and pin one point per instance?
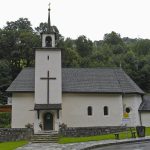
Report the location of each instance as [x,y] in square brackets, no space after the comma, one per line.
[5,119]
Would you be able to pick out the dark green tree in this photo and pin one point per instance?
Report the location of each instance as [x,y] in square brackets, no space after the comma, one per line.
[84,46]
[5,79]
[113,38]
[20,24]
[142,47]
[70,58]
[17,42]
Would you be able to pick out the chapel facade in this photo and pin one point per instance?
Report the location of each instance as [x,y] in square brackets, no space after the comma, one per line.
[49,95]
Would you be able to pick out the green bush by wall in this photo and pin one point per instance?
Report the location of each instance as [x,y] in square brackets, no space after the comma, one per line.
[5,119]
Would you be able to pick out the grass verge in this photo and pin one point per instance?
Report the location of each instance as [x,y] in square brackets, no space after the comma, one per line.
[122,135]
[12,145]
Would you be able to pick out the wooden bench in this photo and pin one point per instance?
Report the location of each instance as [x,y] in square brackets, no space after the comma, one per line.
[131,130]
[116,136]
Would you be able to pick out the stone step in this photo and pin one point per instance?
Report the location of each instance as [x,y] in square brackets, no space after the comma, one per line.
[45,137]
[47,132]
[44,141]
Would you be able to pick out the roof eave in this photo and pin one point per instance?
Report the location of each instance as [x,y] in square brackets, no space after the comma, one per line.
[144,110]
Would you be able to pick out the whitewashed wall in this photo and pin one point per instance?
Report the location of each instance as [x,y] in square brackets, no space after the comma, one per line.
[74,110]
[145,117]
[22,109]
[133,102]
[42,65]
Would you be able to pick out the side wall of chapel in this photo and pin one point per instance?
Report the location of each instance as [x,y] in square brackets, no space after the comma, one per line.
[132,102]
[75,113]
[22,109]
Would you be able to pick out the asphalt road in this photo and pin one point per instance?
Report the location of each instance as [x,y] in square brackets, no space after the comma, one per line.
[134,146]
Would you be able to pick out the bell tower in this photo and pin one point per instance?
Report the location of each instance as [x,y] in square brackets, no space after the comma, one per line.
[48,80]
[49,38]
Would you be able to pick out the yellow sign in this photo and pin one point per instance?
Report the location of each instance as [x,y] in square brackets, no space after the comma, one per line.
[125,115]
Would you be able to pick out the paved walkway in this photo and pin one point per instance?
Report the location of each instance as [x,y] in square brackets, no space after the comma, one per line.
[78,146]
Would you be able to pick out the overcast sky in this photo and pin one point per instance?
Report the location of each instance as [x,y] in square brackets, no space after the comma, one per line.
[92,18]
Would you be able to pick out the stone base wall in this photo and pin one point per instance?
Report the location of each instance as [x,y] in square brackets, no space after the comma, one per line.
[90,131]
[15,134]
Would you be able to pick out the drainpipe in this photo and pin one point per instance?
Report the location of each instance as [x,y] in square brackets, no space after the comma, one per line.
[140,112]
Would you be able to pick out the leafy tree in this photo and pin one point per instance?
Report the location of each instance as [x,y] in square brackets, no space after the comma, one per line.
[113,38]
[102,57]
[142,75]
[5,120]
[20,24]
[71,58]
[118,49]
[142,47]
[5,79]
[42,28]
[84,46]
[17,41]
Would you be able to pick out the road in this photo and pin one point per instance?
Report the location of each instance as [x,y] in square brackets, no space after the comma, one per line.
[134,146]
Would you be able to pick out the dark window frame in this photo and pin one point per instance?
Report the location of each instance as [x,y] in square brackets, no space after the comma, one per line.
[89,111]
[106,111]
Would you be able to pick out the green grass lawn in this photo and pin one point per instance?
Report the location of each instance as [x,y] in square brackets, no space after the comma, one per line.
[122,135]
[65,140]
[12,145]
[147,131]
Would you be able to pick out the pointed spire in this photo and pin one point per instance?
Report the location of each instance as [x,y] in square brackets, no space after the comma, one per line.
[49,29]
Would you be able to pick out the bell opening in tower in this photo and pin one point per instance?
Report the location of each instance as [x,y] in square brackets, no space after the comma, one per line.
[48,41]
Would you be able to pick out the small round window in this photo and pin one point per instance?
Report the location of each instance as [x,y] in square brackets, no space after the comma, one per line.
[128,110]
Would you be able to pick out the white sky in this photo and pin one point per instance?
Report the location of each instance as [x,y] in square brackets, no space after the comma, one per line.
[92,18]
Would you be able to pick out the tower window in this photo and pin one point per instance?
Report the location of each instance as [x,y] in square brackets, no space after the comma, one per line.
[48,41]
[47,57]
[89,111]
[105,111]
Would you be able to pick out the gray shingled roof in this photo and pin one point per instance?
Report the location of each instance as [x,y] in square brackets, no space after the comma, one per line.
[145,105]
[96,80]
[24,81]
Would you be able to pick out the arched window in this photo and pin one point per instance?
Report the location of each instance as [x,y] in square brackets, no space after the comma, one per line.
[89,111]
[105,110]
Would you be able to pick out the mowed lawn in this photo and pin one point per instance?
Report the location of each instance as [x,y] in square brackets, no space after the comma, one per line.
[122,135]
[12,145]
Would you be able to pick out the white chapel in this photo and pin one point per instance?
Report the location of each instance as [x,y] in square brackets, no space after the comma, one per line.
[50,95]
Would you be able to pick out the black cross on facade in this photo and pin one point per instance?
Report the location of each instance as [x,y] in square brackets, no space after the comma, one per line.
[48,79]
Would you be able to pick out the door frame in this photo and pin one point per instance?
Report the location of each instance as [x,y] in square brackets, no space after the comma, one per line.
[44,121]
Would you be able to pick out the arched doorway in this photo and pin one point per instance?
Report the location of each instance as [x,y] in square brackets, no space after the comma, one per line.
[48,121]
